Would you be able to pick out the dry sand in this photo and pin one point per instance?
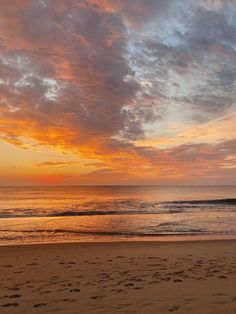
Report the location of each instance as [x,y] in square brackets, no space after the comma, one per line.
[143,277]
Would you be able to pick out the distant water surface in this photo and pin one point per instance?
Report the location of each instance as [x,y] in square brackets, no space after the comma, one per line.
[62,214]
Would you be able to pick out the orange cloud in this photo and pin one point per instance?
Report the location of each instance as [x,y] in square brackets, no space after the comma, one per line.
[48,164]
[77,77]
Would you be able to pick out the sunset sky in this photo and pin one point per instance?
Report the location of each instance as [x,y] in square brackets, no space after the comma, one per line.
[117,92]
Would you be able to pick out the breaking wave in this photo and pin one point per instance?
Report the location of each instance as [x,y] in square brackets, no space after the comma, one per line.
[137,208]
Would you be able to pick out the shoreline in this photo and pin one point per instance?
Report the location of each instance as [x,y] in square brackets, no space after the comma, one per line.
[162,239]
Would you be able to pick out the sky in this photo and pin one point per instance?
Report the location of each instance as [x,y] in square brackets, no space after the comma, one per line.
[97,92]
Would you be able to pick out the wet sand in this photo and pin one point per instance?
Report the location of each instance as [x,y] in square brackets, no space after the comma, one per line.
[139,277]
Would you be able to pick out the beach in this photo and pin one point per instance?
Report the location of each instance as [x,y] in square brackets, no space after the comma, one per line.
[118,157]
[121,277]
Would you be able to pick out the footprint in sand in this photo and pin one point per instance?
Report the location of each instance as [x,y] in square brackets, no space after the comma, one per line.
[10,305]
[7,266]
[45,292]
[14,296]
[68,300]
[173,308]
[39,304]
[97,297]
[129,284]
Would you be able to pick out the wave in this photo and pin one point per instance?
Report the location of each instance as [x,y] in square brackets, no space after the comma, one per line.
[158,208]
[99,213]
[88,213]
[47,234]
[78,213]
[224,201]
[109,233]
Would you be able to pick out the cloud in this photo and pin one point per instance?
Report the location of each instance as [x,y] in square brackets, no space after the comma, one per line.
[50,164]
[91,77]
[190,60]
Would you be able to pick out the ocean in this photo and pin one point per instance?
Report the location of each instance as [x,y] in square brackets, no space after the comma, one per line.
[116,213]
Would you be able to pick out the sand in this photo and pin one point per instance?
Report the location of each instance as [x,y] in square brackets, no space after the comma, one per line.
[142,277]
